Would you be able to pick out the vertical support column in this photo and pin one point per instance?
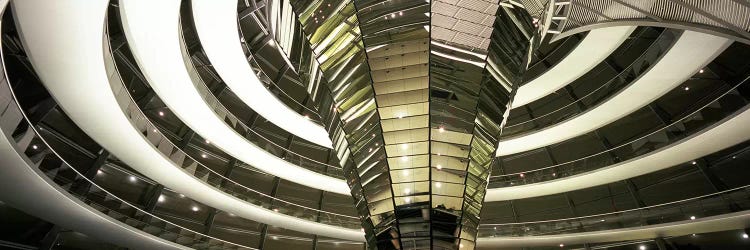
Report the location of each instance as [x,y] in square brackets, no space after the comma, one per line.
[264,228]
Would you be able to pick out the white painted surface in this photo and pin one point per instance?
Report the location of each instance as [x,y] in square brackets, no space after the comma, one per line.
[591,51]
[724,134]
[217,28]
[26,188]
[691,52]
[73,72]
[152,30]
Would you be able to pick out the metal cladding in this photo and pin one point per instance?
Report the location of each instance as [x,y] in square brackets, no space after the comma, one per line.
[419,93]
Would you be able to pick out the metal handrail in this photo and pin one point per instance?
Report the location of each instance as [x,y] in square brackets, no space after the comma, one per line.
[82,176]
[623,211]
[667,126]
[131,109]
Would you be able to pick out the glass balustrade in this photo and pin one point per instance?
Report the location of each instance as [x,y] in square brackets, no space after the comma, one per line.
[27,138]
[728,201]
[551,59]
[279,92]
[188,164]
[631,73]
[248,133]
[725,105]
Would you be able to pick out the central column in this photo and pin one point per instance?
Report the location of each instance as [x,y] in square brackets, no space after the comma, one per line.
[420,92]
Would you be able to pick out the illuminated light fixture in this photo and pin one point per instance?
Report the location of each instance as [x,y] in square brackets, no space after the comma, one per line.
[404,146]
[34,146]
[446,46]
[687,88]
[438,184]
[161,198]
[400,13]
[400,115]
[455,58]
[521,175]
[195,209]
[161,113]
[208,142]
[407,199]
[461,245]
[132,178]
[307,117]
[393,15]
[406,173]
[700,71]
[603,220]
[407,191]
[276,210]
[439,167]
[745,236]
[642,247]
[204,156]
[369,150]
[231,215]
[154,130]
[692,217]
[275,237]
[99,172]
[182,196]
[694,162]
[441,129]
[562,245]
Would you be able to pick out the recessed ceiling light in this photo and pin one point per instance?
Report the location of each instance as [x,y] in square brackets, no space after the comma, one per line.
[161,198]
[195,209]
[132,178]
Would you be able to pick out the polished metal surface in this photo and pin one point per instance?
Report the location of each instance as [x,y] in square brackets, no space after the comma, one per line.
[422,90]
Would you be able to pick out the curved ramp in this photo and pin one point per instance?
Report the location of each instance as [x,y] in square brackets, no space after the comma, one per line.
[691,52]
[73,71]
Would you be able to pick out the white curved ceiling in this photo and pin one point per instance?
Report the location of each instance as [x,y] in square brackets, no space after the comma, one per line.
[723,134]
[73,71]
[24,185]
[591,51]
[691,52]
[152,30]
[216,24]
